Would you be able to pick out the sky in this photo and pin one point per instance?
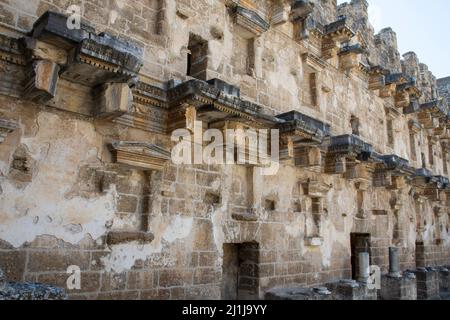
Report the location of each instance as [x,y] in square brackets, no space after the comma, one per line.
[421,26]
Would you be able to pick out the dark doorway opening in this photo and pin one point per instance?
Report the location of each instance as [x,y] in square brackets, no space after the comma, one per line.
[240,280]
[360,242]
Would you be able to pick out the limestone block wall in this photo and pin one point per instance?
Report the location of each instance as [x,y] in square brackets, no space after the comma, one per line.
[63,192]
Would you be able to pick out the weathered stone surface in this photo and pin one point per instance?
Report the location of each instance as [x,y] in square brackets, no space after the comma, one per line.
[398,288]
[86,177]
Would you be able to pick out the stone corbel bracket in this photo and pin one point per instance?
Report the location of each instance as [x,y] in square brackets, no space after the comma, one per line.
[55,58]
[393,172]
[406,93]
[436,187]
[6,127]
[377,77]
[250,23]
[213,101]
[343,148]
[414,126]
[420,183]
[149,111]
[392,80]
[335,34]
[350,57]
[313,63]
[431,112]
[302,138]
[140,155]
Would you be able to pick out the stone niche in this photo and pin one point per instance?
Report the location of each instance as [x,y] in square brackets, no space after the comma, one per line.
[74,70]
[316,191]
[144,158]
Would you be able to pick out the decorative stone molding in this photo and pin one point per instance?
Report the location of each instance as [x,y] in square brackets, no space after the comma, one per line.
[391,172]
[431,112]
[346,147]
[377,79]
[280,13]
[312,63]
[6,127]
[301,136]
[406,92]
[350,57]
[392,80]
[140,155]
[214,100]
[250,23]
[335,34]
[54,59]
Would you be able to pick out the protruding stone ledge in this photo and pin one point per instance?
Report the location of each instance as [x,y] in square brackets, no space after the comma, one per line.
[251,24]
[395,165]
[339,30]
[122,237]
[377,77]
[53,60]
[247,216]
[140,155]
[6,127]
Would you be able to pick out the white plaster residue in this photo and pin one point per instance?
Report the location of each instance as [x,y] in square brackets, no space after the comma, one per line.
[124,256]
[42,207]
[180,228]
[167,230]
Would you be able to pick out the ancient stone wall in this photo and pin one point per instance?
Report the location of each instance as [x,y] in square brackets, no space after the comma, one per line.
[85,172]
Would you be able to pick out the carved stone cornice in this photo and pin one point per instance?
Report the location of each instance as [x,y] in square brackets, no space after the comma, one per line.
[250,22]
[313,63]
[350,146]
[140,155]
[414,126]
[53,58]
[392,172]
[6,127]
[215,100]
[350,57]
[377,79]
[339,30]
[301,9]
[346,147]
[430,113]
[303,128]
[13,50]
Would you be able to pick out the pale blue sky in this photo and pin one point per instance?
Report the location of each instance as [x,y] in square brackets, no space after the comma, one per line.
[421,26]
